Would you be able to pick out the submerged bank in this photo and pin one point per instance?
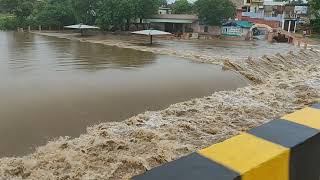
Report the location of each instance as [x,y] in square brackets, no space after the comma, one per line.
[213,51]
[119,150]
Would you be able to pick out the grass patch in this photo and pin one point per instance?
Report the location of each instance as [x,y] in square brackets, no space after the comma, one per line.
[315,36]
[7,22]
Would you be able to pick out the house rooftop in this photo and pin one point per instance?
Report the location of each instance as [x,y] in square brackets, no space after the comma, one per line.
[165,8]
[274,3]
[175,16]
[242,24]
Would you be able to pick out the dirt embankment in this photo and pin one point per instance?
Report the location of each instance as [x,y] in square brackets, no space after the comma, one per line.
[119,150]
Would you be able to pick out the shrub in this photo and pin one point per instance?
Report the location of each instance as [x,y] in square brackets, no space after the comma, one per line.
[315,24]
[8,23]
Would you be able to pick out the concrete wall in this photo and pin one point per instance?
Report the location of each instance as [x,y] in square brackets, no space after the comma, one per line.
[273,24]
[158,26]
[212,30]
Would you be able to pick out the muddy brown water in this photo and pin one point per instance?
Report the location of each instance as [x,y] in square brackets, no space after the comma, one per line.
[234,49]
[52,87]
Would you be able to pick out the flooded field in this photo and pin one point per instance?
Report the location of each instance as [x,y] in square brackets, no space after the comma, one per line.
[52,87]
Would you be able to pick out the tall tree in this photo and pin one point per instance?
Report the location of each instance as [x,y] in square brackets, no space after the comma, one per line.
[21,8]
[118,13]
[85,11]
[143,9]
[182,7]
[315,7]
[315,11]
[55,13]
[214,12]
[113,13]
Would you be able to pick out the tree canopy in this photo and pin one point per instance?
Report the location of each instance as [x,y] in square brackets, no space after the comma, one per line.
[315,11]
[21,8]
[118,13]
[315,7]
[54,13]
[213,12]
[85,11]
[182,7]
[110,14]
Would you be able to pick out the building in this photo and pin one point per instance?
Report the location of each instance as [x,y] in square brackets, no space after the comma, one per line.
[173,23]
[164,10]
[255,6]
[236,28]
[275,14]
[293,15]
[262,12]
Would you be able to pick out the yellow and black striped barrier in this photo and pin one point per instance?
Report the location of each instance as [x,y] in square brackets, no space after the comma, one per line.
[283,149]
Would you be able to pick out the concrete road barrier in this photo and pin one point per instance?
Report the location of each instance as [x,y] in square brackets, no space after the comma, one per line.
[284,149]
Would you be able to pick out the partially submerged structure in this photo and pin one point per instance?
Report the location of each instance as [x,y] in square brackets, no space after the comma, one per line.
[173,23]
[81,27]
[236,29]
[151,33]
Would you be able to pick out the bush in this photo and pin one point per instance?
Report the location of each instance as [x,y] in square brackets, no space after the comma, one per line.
[8,23]
[315,25]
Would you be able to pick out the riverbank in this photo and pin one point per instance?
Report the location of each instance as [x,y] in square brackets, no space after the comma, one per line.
[119,150]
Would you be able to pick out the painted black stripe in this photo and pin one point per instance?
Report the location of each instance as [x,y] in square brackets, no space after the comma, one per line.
[304,144]
[285,133]
[317,106]
[191,167]
[305,160]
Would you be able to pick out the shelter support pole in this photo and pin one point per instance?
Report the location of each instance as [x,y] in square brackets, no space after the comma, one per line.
[270,36]
[151,39]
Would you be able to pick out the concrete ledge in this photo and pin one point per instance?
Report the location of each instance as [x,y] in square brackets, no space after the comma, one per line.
[283,149]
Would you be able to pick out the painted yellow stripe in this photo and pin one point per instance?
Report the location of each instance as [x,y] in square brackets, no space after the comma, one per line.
[252,157]
[308,116]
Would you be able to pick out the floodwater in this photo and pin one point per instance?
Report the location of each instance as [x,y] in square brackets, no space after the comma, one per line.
[234,49]
[52,87]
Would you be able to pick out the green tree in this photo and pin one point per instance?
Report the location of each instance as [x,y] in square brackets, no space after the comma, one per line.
[85,11]
[55,13]
[20,8]
[214,12]
[315,8]
[143,9]
[8,23]
[117,14]
[315,11]
[113,13]
[182,7]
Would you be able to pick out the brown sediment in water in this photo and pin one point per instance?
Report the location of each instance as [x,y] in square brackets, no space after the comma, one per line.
[112,40]
[119,150]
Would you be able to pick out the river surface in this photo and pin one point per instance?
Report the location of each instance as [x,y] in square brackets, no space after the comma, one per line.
[52,87]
